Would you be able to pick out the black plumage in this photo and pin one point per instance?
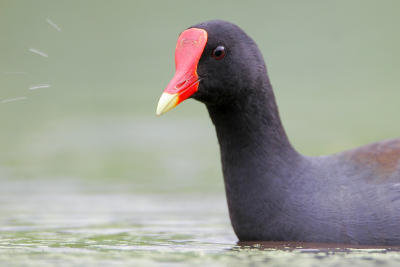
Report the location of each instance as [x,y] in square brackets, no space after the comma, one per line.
[274,192]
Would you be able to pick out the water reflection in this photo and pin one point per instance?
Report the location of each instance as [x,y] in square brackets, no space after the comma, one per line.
[314,247]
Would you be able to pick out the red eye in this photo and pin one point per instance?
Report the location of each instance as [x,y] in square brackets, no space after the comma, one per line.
[219,52]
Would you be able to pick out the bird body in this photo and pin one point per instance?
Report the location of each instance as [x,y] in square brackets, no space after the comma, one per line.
[273,192]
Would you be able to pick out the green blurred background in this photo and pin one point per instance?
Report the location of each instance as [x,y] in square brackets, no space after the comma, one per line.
[334,66]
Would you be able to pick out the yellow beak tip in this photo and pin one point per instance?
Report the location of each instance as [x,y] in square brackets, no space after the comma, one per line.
[167,102]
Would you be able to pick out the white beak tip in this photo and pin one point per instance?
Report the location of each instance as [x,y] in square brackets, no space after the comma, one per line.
[167,102]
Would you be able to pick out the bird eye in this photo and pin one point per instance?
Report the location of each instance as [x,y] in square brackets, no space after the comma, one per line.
[219,52]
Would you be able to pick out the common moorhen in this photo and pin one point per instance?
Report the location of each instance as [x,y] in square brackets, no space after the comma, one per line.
[274,192]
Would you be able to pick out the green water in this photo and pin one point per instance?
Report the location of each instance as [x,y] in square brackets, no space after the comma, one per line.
[89,175]
[73,224]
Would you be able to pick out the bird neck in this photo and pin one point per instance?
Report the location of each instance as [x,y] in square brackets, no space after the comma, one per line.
[251,135]
[258,160]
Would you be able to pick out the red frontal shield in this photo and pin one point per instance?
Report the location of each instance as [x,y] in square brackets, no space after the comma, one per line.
[189,48]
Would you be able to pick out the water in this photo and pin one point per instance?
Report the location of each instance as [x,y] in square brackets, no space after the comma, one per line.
[52,24]
[39,86]
[69,223]
[38,52]
[8,100]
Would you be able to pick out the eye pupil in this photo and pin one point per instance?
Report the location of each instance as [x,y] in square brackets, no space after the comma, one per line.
[219,52]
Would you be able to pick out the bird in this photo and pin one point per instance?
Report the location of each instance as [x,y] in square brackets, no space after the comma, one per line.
[273,192]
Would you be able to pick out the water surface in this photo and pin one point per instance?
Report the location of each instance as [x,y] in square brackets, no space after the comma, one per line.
[70,223]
